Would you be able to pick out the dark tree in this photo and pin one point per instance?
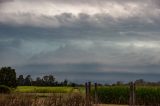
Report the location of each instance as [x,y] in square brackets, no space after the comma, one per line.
[119,83]
[140,82]
[65,83]
[20,80]
[51,80]
[48,80]
[73,84]
[8,77]
[28,80]
[38,81]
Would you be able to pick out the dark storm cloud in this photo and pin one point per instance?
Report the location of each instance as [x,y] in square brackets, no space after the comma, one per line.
[93,38]
[10,52]
[74,72]
[119,32]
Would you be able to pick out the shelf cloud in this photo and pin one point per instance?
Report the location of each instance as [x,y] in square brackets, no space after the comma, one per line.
[58,13]
[81,36]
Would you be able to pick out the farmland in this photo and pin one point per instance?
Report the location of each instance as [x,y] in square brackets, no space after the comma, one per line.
[31,95]
[106,94]
[148,95]
[37,100]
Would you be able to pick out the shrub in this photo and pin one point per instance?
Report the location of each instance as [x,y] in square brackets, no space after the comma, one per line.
[4,89]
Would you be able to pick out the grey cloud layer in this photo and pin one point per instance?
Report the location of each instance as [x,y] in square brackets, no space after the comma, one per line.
[81,36]
[55,13]
[2,1]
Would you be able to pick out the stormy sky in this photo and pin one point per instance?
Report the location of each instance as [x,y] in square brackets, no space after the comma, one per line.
[82,40]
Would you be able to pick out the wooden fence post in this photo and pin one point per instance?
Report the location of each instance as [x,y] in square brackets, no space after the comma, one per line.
[132,94]
[86,88]
[89,93]
[134,89]
[95,94]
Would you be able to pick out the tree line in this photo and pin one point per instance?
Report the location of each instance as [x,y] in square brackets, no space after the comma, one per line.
[47,80]
[8,78]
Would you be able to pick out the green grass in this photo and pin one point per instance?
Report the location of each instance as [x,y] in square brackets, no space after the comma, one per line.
[148,95]
[37,89]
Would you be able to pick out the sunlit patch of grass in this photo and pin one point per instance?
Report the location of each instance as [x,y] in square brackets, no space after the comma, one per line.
[37,89]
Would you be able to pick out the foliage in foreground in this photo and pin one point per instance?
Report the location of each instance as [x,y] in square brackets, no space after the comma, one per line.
[35,100]
[4,89]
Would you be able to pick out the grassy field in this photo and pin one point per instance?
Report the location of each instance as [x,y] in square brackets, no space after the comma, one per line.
[35,89]
[149,95]
[21,99]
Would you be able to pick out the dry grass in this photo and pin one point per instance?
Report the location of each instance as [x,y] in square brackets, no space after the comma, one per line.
[35,100]
[110,105]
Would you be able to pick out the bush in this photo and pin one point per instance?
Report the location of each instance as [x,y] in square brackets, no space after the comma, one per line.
[4,89]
